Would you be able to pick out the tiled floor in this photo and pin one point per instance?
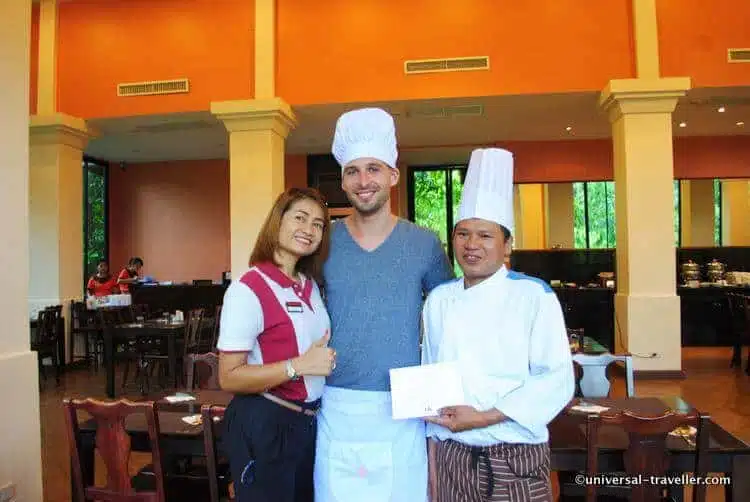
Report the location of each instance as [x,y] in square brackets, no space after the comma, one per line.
[710,385]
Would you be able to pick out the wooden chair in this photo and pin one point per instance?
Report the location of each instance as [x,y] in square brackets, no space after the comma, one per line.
[647,454]
[208,371]
[113,443]
[591,373]
[218,474]
[739,313]
[217,327]
[84,325]
[46,338]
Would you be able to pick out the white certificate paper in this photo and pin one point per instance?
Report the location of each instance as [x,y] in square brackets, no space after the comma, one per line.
[420,391]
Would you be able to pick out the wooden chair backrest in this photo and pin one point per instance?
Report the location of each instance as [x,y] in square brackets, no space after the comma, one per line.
[647,452]
[113,443]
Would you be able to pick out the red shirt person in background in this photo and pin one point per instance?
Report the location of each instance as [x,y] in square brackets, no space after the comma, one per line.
[129,274]
[102,283]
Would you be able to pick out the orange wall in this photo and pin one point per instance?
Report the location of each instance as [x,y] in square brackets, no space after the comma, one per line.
[34,61]
[355,51]
[712,157]
[694,36]
[295,171]
[591,160]
[106,42]
[558,161]
[175,215]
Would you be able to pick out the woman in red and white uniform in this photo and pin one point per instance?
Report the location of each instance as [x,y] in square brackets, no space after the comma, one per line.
[102,283]
[274,355]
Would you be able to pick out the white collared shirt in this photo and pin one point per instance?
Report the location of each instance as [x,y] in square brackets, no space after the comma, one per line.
[508,336]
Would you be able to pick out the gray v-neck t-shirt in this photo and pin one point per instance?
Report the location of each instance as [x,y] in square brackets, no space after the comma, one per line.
[374,299]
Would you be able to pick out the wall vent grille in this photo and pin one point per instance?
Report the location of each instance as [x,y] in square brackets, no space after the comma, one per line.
[446,65]
[156,87]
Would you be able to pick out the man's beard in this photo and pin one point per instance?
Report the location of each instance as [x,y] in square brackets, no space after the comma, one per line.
[368,209]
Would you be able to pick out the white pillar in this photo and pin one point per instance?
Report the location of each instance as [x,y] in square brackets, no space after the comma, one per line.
[257,134]
[20,450]
[647,307]
[56,211]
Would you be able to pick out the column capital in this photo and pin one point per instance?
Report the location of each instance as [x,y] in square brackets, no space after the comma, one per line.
[272,114]
[632,96]
[60,129]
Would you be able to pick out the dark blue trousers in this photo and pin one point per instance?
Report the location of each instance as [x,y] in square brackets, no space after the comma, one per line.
[271,450]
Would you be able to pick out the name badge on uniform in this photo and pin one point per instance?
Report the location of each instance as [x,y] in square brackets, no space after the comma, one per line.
[294,307]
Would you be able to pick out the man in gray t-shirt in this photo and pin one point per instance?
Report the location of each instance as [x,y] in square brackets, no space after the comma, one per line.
[375,300]
[378,272]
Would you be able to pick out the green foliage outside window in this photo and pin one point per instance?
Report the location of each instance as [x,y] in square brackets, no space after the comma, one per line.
[579,217]
[677,221]
[717,212]
[594,214]
[430,207]
[95,224]
[431,203]
[594,222]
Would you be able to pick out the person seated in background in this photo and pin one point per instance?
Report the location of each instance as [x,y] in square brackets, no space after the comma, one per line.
[130,274]
[102,283]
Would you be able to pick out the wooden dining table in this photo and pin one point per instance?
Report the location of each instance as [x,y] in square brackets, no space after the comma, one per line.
[728,455]
[122,333]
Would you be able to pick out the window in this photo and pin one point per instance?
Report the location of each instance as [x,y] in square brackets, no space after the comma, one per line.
[434,197]
[677,209]
[95,215]
[717,212]
[594,214]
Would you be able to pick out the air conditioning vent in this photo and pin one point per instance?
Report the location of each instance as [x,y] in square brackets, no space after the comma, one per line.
[173,127]
[156,87]
[739,55]
[445,65]
[435,112]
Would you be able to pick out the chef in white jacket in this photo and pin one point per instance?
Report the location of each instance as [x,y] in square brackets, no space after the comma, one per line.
[507,333]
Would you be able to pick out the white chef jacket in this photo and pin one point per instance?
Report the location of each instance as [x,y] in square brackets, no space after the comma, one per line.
[508,336]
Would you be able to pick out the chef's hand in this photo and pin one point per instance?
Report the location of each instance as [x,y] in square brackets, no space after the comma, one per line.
[465,418]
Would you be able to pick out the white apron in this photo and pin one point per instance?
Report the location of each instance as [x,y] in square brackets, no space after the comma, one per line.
[363,454]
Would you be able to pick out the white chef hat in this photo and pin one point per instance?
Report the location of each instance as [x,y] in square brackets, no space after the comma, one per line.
[367,132]
[488,188]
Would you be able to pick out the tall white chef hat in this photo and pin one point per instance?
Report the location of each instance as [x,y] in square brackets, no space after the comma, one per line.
[367,132]
[488,188]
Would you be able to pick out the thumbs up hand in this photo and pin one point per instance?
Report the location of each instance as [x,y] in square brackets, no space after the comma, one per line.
[319,360]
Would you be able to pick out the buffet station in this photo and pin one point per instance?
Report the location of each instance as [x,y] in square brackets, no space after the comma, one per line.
[585,282]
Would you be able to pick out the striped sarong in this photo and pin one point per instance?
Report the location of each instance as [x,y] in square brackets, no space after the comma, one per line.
[498,473]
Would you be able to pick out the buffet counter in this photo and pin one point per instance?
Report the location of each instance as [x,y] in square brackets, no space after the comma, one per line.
[182,297]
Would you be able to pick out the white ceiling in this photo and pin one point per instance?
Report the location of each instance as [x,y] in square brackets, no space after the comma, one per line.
[503,118]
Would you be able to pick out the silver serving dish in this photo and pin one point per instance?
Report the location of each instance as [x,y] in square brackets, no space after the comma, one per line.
[715,271]
[690,271]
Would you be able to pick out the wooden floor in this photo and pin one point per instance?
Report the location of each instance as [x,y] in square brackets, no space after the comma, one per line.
[710,385]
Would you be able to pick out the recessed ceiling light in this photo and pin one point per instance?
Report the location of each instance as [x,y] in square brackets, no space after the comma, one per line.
[721,109]
[683,124]
[740,123]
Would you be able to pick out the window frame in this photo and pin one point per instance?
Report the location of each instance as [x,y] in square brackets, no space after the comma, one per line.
[104,166]
[448,170]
